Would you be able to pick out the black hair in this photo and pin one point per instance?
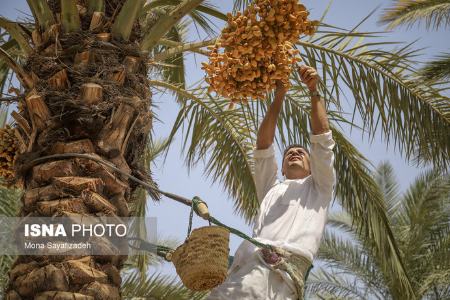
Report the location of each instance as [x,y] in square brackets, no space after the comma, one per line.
[293,146]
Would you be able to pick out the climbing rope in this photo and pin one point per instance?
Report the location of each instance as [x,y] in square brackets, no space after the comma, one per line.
[197,205]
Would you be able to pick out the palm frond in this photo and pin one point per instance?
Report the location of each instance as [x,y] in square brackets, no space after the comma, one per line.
[437,69]
[434,13]
[9,201]
[436,283]
[204,21]
[361,197]
[16,33]
[332,286]
[221,139]
[182,48]
[387,96]
[123,24]
[9,61]
[240,5]
[341,221]
[199,15]
[174,72]
[10,46]
[70,18]
[156,287]
[350,257]
[157,148]
[165,23]
[385,179]
[95,5]
[424,220]
[6,262]
[42,14]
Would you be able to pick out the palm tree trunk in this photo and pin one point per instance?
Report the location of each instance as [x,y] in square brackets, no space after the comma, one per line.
[90,96]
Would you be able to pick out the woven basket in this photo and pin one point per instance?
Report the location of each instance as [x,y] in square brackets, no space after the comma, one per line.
[202,261]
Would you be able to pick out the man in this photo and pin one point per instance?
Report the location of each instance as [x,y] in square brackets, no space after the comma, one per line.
[292,213]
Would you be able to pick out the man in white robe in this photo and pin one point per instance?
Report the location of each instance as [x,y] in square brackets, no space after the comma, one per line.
[292,212]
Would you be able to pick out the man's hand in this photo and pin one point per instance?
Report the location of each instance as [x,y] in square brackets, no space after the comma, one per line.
[309,76]
[280,89]
[319,119]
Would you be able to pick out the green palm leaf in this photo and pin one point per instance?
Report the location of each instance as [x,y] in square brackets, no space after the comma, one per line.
[165,23]
[220,139]
[419,221]
[199,15]
[326,285]
[409,12]
[388,185]
[387,95]
[156,287]
[176,73]
[437,69]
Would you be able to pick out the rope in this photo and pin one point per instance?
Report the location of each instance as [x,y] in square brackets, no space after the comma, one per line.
[240,234]
[191,215]
[194,203]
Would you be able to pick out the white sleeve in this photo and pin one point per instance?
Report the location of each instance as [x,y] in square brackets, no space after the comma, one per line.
[322,160]
[265,175]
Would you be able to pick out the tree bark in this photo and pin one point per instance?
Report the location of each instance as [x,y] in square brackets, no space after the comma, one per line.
[90,96]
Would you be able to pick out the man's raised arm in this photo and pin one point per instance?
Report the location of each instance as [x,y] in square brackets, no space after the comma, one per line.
[322,143]
[266,131]
[265,175]
[319,118]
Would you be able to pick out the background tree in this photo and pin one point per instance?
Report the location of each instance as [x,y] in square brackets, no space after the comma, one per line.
[420,222]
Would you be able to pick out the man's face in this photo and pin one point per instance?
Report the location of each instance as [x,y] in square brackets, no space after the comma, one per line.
[296,163]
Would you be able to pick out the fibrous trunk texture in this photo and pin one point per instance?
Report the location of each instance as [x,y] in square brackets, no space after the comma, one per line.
[90,96]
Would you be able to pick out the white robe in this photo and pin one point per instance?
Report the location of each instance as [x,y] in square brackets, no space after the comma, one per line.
[292,216]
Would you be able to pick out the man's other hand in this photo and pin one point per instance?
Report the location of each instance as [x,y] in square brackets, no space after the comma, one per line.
[309,76]
[280,89]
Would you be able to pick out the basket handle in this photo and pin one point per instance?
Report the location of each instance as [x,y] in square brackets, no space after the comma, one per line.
[201,208]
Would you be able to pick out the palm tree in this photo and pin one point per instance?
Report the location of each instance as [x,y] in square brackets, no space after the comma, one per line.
[435,14]
[85,81]
[83,69]
[420,222]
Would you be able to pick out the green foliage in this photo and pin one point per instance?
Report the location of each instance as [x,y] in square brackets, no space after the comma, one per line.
[42,13]
[95,5]
[70,19]
[434,13]
[199,15]
[165,23]
[220,138]
[388,98]
[437,69]
[156,287]
[419,219]
[123,24]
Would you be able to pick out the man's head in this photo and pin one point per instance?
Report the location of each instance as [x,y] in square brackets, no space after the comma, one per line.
[296,162]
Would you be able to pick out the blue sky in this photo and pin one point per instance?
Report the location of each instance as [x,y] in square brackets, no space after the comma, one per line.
[173,176]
